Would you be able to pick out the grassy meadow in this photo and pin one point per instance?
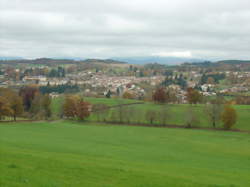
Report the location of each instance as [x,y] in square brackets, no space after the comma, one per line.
[178,112]
[65,153]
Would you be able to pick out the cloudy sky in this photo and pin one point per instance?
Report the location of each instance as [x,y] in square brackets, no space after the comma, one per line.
[211,29]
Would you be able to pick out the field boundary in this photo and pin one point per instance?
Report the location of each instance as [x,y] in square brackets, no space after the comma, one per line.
[172,126]
[116,106]
[134,124]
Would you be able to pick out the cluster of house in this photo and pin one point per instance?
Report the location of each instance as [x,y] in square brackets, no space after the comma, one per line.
[120,84]
[115,84]
[235,89]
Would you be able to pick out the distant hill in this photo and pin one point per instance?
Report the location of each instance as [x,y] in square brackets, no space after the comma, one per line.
[106,61]
[156,59]
[233,62]
[47,61]
[124,60]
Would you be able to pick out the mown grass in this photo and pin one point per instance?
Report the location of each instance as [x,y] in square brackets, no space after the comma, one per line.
[178,112]
[76,154]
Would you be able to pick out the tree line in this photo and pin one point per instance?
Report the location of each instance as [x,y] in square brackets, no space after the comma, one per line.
[25,103]
[28,102]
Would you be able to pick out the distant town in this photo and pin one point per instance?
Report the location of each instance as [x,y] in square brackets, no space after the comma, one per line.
[102,78]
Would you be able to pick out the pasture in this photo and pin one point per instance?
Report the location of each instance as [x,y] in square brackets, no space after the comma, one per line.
[65,153]
[177,112]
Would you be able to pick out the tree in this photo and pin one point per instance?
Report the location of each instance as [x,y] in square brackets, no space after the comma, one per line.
[114,116]
[129,113]
[214,113]
[191,117]
[159,95]
[76,107]
[100,111]
[128,95]
[28,93]
[5,109]
[14,101]
[214,110]
[193,96]
[83,109]
[210,80]
[108,94]
[164,114]
[16,105]
[40,107]
[121,111]
[36,111]
[45,103]
[151,116]
[70,106]
[229,116]
[171,96]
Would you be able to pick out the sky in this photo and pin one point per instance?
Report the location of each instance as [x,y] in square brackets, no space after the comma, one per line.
[207,29]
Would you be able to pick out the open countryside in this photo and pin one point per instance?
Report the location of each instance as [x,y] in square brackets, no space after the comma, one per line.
[76,154]
[131,93]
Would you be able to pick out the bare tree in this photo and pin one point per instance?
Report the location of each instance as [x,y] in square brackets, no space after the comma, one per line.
[191,117]
[151,116]
[164,114]
[120,110]
[214,111]
[100,111]
[114,116]
[129,113]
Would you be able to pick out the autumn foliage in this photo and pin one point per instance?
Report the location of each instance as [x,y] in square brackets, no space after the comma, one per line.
[11,103]
[76,107]
[5,109]
[159,95]
[193,96]
[28,93]
[229,116]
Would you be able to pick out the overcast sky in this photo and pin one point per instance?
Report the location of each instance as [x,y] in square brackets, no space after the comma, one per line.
[212,29]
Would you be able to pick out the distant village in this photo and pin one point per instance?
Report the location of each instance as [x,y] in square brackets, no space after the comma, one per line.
[138,82]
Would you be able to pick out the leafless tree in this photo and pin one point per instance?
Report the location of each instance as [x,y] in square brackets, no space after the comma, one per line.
[164,114]
[191,117]
[151,116]
[214,111]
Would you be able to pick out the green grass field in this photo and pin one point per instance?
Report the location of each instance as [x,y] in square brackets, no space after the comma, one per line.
[178,112]
[74,154]
[58,102]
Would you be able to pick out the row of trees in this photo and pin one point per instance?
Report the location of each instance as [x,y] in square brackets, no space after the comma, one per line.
[29,102]
[216,112]
[26,103]
[65,88]
[130,114]
[162,95]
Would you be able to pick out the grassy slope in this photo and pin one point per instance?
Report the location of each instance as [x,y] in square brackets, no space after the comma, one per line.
[178,112]
[67,154]
[57,102]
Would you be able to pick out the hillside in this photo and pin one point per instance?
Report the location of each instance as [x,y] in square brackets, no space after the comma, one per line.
[48,61]
[234,62]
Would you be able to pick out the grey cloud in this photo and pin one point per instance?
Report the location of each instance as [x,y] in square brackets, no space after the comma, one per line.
[95,28]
